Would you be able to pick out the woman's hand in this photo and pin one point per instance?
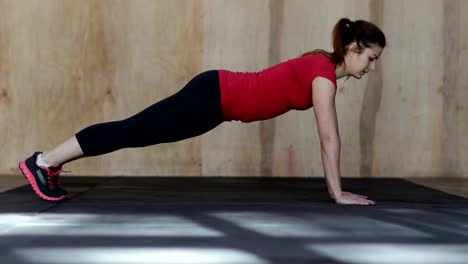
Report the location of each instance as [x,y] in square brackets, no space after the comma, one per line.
[351,198]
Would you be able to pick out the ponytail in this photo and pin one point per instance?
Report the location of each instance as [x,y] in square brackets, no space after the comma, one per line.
[364,33]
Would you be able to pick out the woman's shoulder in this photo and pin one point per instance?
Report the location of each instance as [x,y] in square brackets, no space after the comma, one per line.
[319,59]
[315,65]
[314,62]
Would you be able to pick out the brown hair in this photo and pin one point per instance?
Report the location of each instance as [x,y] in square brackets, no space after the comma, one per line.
[364,33]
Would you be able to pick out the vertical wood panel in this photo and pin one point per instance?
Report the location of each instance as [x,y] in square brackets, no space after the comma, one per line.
[462,95]
[454,86]
[371,102]
[75,63]
[411,104]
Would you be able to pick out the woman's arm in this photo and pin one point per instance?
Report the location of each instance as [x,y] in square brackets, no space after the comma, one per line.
[323,97]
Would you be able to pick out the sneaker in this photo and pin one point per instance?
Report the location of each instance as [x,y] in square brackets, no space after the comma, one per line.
[44,181]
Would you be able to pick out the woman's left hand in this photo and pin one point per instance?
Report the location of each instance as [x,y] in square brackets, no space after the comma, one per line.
[352,198]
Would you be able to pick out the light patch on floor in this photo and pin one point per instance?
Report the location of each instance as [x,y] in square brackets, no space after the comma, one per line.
[137,256]
[367,253]
[317,225]
[104,225]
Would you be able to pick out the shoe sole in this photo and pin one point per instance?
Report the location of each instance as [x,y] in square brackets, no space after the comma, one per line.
[32,181]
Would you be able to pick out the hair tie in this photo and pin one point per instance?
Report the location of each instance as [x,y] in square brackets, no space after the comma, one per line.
[347,25]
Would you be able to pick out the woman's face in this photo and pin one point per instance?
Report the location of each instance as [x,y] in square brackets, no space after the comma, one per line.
[358,63]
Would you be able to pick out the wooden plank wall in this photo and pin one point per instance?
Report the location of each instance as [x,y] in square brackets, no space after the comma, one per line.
[68,64]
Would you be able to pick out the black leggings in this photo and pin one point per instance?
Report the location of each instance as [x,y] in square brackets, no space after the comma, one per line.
[192,111]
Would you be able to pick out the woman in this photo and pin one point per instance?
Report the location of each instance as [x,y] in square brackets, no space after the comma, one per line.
[217,96]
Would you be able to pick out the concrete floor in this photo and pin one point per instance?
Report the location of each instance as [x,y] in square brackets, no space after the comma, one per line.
[233,220]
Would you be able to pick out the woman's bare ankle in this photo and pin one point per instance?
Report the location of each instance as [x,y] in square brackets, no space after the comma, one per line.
[46,157]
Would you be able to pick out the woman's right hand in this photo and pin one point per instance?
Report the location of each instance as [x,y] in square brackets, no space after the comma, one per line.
[351,198]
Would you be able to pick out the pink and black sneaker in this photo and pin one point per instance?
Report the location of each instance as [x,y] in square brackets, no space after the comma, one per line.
[44,181]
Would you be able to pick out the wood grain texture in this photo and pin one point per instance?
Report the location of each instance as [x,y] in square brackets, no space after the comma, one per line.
[370,105]
[68,64]
[454,90]
[408,124]
[75,63]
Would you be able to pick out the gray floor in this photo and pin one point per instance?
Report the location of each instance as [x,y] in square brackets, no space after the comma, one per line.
[232,220]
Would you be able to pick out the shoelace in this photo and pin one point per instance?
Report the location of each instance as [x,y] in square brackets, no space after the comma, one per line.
[54,178]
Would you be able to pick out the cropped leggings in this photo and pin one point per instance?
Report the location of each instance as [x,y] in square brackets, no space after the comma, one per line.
[190,112]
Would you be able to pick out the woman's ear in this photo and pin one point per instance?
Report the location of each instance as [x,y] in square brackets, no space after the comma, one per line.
[354,48]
